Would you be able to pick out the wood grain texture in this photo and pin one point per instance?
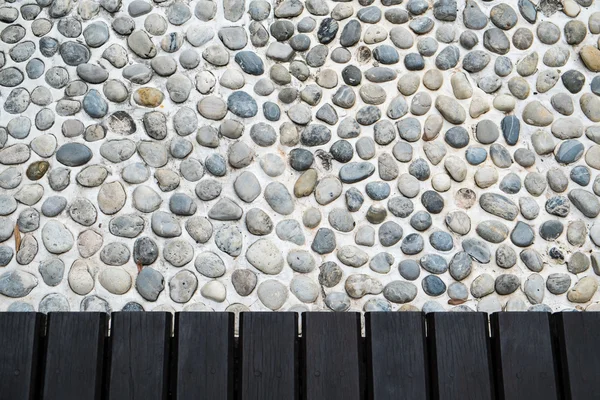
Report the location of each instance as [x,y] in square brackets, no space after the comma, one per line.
[523,360]
[74,356]
[20,338]
[460,357]
[204,348]
[139,356]
[331,356]
[269,356]
[396,356]
[578,354]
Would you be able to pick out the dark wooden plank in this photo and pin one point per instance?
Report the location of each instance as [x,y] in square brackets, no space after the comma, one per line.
[460,357]
[268,355]
[74,356]
[331,356]
[139,356]
[578,354]
[20,338]
[204,346]
[396,355]
[523,358]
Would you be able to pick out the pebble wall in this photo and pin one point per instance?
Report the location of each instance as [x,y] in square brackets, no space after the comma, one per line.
[299,155]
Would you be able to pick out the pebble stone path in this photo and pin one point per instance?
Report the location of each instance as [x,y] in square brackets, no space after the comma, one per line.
[299,155]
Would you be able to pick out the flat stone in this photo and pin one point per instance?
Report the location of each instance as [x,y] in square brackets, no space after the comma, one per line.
[225,210]
[139,42]
[182,286]
[116,280]
[165,224]
[499,205]
[52,271]
[352,256]
[145,251]
[450,109]
[17,283]
[576,233]
[56,237]
[356,171]
[583,290]
[585,202]
[537,114]
[304,288]
[492,231]
[590,56]
[244,281]
[111,198]
[522,235]
[400,292]
[272,294]
[477,249]
[532,260]
[558,283]
[211,265]
[229,240]
[482,286]
[149,283]
[81,277]
[265,256]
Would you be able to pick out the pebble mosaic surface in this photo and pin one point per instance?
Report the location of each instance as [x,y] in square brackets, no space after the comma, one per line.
[299,155]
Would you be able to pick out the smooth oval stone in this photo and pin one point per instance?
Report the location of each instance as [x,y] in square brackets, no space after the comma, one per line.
[249,62]
[412,244]
[522,235]
[569,151]
[551,230]
[477,249]
[433,286]
[400,292]
[499,205]
[585,201]
[492,231]
[510,126]
[434,263]
[475,155]
[73,154]
[580,175]
[356,171]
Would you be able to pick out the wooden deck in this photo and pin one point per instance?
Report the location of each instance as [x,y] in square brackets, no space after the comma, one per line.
[446,356]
